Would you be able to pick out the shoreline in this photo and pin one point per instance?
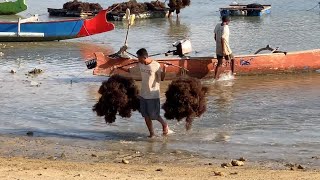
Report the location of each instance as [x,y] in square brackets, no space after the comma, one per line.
[24,157]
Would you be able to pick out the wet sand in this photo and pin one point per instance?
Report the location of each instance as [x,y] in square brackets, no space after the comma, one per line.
[24,157]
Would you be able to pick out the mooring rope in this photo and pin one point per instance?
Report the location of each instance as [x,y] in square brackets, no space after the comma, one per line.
[314,7]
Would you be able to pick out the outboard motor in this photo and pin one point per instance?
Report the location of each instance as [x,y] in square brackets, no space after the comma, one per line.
[182,47]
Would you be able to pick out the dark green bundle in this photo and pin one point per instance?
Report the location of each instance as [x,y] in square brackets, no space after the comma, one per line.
[81,6]
[185,98]
[178,4]
[136,7]
[118,95]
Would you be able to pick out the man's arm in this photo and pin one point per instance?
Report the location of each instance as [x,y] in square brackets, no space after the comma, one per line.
[163,72]
[222,45]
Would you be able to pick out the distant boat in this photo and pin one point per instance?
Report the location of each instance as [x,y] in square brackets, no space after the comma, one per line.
[12,7]
[31,29]
[245,10]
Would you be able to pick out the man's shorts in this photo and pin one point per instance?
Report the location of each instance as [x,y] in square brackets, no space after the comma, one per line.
[150,108]
[227,57]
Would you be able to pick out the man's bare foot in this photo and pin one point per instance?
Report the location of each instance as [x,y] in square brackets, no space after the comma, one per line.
[151,135]
[165,130]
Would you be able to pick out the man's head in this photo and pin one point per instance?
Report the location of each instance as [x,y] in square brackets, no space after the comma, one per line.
[225,19]
[142,55]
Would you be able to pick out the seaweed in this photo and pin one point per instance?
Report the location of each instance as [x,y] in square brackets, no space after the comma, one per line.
[79,6]
[118,95]
[136,7]
[185,98]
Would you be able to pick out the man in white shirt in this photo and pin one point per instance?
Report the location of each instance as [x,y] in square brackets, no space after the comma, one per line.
[223,50]
[151,75]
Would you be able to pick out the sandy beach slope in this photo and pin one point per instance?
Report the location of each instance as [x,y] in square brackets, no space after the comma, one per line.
[22,168]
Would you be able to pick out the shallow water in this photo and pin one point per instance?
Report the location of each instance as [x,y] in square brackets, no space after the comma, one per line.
[264,117]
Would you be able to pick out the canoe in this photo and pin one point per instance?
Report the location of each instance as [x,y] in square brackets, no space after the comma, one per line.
[12,7]
[245,10]
[204,67]
[32,30]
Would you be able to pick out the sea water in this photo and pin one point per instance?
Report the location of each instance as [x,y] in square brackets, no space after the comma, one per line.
[265,117]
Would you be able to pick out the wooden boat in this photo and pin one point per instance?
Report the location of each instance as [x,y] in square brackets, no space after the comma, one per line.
[204,67]
[12,7]
[33,30]
[245,10]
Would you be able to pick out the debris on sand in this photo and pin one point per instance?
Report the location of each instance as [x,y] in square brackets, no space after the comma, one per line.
[219,173]
[35,71]
[124,161]
[13,71]
[237,163]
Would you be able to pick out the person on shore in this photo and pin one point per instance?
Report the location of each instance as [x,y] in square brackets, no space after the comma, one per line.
[223,50]
[151,75]
[174,5]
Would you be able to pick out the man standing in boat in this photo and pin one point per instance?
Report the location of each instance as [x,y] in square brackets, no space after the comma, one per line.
[223,50]
[151,75]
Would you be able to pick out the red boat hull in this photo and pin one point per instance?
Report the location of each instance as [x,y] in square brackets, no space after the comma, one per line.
[203,67]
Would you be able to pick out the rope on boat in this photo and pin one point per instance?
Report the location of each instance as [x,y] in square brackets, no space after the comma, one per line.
[114,7]
[314,7]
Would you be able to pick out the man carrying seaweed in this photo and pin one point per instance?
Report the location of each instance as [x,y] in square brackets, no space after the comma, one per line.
[151,75]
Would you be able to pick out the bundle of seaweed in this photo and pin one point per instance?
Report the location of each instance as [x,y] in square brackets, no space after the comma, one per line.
[119,95]
[178,4]
[185,98]
[79,6]
[136,7]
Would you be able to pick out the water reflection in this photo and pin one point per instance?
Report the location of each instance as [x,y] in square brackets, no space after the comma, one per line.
[224,93]
[177,30]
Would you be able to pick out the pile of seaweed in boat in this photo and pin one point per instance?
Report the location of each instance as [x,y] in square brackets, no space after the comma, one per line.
[185,98]
[118,95]
[136,7]
[79,6]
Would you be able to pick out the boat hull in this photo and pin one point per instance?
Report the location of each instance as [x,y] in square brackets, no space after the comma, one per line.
[242,10]
[54,30]
[204,67]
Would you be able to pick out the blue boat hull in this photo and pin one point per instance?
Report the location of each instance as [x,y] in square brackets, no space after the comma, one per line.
[243,10]
[22,31]
[43,31]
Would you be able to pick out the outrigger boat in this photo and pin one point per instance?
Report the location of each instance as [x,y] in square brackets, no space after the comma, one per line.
[12,7]
[245,10]
[31,29]
[203,67]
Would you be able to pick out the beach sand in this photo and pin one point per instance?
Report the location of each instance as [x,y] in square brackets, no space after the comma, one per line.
[24,158]
[22,168]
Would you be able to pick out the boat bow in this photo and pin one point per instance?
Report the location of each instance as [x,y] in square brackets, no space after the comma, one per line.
[96,25]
